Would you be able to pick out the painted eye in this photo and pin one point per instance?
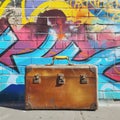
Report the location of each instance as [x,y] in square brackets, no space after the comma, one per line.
[114,73]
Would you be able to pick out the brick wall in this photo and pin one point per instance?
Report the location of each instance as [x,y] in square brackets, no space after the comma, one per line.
[33,31]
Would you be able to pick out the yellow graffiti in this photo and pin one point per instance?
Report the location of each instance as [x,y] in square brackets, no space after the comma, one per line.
[52,5]
[71,13]
[75,10]
[60,5]
[83,15]
[3,6]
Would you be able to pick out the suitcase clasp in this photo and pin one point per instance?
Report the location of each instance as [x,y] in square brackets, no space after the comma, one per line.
[36,79]
[83,79]
[60,79]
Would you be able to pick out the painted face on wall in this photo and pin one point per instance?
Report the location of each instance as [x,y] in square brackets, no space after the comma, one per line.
[54,19]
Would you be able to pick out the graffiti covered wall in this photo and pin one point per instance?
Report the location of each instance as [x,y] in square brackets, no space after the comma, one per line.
[33,31]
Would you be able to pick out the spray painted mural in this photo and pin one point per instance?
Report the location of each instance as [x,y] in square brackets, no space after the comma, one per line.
[33,31]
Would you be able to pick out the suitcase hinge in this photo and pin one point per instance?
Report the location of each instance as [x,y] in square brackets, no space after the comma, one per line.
[60,79]
[83,79]
[36,79]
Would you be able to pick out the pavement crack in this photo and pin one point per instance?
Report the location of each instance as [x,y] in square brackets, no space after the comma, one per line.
[81,113]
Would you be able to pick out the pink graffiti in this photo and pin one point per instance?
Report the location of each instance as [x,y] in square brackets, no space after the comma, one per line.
[32,35]
[27,41]
[3,25]
[114,73]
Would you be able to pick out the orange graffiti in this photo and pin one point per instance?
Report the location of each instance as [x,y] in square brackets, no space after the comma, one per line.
[24,50]
[61,35]
[52,52]
[116,70]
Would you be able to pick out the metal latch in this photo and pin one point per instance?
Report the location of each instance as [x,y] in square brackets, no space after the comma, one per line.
[36,79]
[83,79]
[60,79]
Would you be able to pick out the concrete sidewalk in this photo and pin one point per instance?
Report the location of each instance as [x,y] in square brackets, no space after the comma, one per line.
[106,111]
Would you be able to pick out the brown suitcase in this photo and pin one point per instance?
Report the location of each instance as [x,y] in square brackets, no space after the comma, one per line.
[61,87]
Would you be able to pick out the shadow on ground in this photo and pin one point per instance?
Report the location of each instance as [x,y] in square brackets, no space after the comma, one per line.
[13,96]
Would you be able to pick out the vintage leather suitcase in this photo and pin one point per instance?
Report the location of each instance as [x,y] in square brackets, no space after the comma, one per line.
[61,86]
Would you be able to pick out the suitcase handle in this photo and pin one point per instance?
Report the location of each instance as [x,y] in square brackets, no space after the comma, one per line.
[61,58]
